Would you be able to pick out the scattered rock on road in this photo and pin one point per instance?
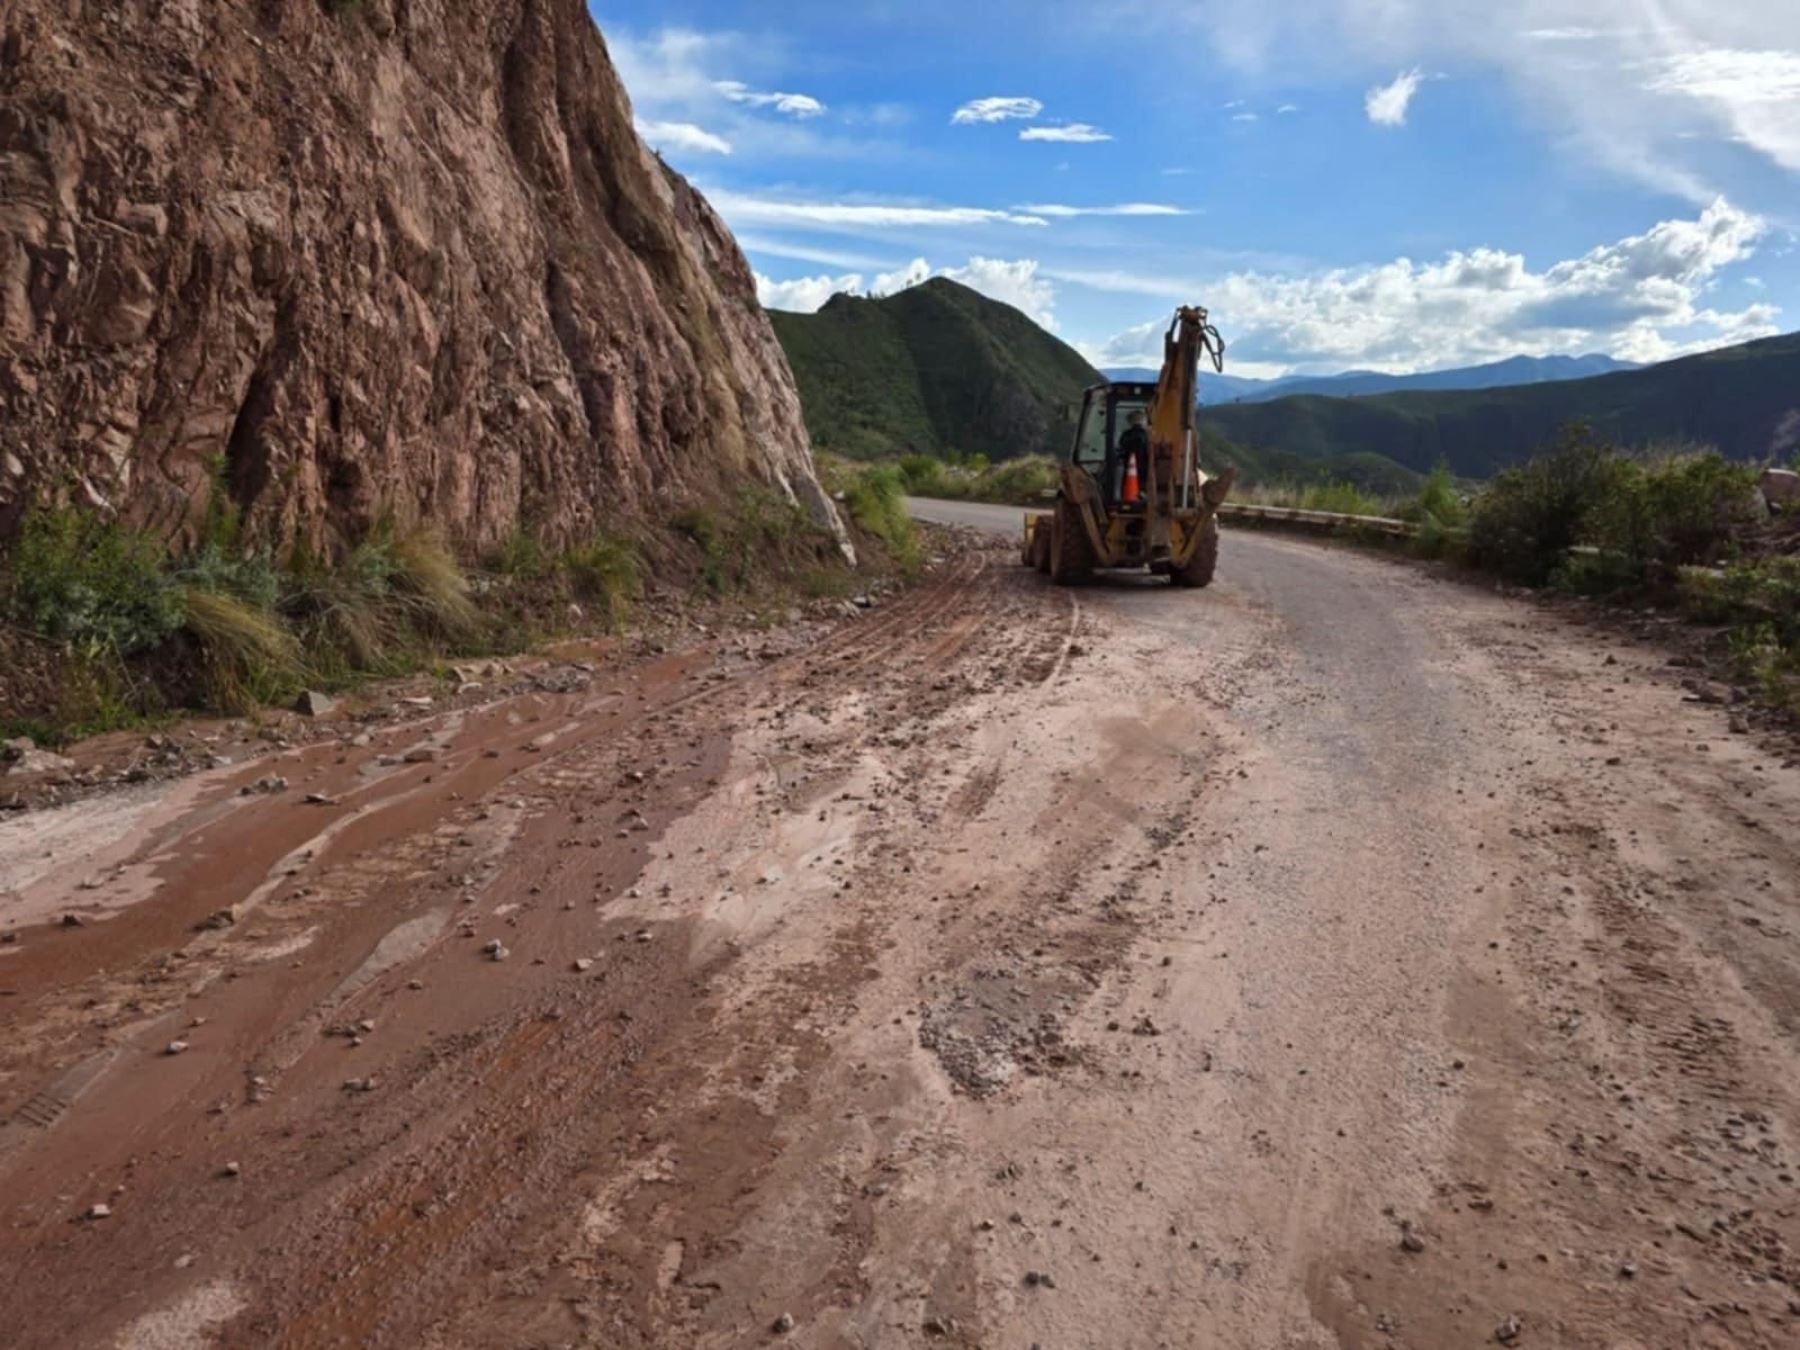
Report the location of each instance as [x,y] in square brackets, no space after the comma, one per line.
[312,703]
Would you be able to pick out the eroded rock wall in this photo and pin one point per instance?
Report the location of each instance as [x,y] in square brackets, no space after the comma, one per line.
[385,256]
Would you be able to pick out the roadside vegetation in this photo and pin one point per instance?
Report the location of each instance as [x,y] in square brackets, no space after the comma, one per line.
[103,627]
[1673,525]
[1677,526]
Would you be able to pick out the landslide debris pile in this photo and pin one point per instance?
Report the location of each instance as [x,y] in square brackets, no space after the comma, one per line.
[936,367]
[396,257]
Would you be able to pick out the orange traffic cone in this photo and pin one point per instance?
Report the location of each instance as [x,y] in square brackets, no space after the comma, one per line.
[1131,478]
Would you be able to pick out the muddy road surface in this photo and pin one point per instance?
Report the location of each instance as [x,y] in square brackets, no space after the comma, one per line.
[1335,957]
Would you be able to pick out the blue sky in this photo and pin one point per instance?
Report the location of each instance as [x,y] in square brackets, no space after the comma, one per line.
[1396,184]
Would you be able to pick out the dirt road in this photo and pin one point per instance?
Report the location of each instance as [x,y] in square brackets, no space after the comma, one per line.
[1336,957]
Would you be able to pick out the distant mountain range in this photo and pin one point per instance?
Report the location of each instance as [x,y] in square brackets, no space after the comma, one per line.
[1743,400]
[1355,383]
[932,368]
[940,367]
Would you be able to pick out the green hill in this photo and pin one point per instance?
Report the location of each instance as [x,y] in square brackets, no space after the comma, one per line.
[932,368]
[1745,400]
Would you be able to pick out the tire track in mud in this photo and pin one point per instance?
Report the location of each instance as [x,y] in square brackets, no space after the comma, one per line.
[467,1138]
[677,1220]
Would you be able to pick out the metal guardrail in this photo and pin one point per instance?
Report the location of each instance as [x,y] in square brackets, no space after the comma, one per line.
[1323,522]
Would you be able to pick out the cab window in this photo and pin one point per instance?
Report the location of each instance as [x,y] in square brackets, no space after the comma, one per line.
[1090,445]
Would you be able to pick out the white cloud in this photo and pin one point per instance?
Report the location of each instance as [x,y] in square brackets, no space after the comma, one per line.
[736,87]
[911,275]
[794,105]
[683,136]
[1016,283]
[805,252]
[1070,133]
[1244,117]
[1119,281]
[1756,92]
[1124,209]
[997,109]
[804,294]
[741,209]
[1386,104]
[1288,108]
[1651,90]
[1641,298]
[668,67]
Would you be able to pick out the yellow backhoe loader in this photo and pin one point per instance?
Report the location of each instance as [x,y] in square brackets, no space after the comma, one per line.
[1132,491]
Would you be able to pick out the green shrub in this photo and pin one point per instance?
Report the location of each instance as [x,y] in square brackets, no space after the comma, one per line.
[604,572]
[1766,591]
[1343,498]
[923,476]
[252,578]
[877,503]
[1529,517]
[520,555]
[1441,512]
[702,526]
[96,585]
[1677,510]
[1019,482]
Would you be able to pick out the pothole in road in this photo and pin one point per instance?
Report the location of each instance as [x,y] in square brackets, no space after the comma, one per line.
[998,1022]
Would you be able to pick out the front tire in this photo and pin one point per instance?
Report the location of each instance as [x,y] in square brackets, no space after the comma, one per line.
[1071,562]
[1205,560]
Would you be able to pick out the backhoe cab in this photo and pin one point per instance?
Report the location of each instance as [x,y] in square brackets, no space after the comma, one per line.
[1138,498]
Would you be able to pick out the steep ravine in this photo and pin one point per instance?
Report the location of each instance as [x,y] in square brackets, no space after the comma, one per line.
[401,256]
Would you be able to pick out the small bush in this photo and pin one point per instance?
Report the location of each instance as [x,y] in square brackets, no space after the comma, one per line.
[970,477]
[702,526]
[1441,512]
[1330,495]
[96,585]
[1531,515]
[1677,510]
[604,572]
[876,503]
[1759,602]
[521,555]
[1344,498]
[922,475]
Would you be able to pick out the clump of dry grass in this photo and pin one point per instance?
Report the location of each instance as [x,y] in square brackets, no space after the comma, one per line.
[247,654]
[431,585]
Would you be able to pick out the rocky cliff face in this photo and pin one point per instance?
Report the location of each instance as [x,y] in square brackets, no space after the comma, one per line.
[353,257]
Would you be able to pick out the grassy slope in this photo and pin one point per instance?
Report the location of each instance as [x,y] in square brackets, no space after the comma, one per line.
[1734,398]
[935,367]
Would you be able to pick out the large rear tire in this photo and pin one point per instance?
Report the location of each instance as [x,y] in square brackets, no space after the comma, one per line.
[1071,560]
[1205,560]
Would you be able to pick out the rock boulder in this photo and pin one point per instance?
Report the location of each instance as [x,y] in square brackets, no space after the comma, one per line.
[343,261]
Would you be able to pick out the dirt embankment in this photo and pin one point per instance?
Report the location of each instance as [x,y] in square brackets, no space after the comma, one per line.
[1330,959]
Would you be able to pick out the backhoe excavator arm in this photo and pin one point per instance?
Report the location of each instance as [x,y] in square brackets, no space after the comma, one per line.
[1172,444]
